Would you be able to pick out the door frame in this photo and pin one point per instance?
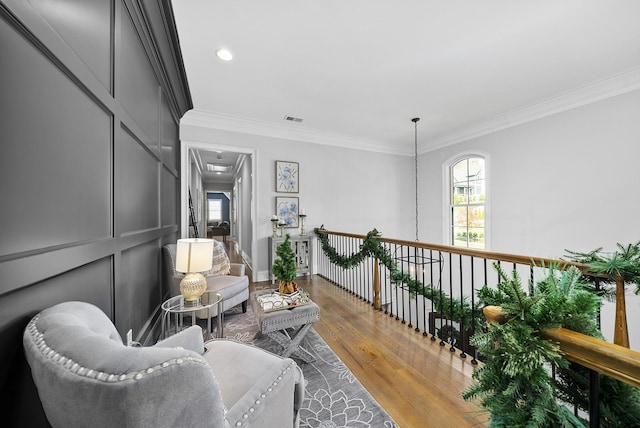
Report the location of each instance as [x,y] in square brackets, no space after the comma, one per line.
[185,146]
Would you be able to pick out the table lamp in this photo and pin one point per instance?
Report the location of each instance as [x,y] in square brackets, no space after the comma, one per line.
[193,255]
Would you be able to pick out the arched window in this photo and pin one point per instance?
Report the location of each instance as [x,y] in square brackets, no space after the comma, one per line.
[467,201]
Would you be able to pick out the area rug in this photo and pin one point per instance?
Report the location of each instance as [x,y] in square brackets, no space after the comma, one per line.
[334,398]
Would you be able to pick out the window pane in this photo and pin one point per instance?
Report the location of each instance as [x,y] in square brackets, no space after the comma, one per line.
[460,237]
[215,209]
[476,216]
[459,183]
[476,237]
[468,196]
[460,216]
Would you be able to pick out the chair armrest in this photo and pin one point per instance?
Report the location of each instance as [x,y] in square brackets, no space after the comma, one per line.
[236,269]
[190,338]
[265,392]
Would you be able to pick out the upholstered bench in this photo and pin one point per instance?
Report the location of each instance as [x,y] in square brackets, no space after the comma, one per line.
[287,327]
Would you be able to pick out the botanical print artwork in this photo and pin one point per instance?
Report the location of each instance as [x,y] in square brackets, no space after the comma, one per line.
[287,210]
[287,176]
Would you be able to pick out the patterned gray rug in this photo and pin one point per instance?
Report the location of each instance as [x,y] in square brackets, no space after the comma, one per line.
[334,398]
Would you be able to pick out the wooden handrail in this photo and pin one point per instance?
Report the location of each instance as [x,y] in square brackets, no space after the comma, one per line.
[490,255]
[621,334]
[607,358]
[599,355]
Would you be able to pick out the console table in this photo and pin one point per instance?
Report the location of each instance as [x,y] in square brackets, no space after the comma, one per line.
[302,246]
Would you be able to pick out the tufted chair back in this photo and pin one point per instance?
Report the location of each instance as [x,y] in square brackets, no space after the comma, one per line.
[86,376]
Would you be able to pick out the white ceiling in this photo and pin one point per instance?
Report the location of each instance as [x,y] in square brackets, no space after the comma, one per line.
[357,71]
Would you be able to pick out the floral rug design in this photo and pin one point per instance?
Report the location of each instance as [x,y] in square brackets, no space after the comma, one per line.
[334,398]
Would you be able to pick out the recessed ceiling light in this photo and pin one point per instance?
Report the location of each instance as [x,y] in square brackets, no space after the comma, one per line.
[218,168]
[224,54]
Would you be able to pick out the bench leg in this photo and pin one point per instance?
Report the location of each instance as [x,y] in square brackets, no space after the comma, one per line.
[291,344]
[244,307]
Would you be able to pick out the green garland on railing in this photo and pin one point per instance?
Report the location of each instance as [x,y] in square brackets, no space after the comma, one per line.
[457,310]
[513,385]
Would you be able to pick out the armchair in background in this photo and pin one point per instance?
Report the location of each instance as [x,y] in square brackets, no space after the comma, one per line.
[226,278]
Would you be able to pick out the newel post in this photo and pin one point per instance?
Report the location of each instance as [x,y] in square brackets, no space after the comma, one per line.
[376,284]
[621,333]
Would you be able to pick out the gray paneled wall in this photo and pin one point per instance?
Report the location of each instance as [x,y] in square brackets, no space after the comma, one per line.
[91,96]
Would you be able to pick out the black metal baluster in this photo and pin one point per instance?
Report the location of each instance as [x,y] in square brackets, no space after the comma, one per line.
[474,361]
[462,329]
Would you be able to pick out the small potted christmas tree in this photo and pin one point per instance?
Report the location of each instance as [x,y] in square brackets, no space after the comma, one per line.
[284,267]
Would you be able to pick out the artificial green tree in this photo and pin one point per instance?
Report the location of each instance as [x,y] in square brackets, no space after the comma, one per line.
[284,267]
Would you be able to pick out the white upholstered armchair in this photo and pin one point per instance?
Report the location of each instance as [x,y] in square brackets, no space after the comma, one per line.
[226,278]
[86,376]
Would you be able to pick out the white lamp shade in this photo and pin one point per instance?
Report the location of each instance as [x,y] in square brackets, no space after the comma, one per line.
[194,255]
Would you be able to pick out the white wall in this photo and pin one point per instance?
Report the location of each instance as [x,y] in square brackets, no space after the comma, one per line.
[568,181]
[343,189]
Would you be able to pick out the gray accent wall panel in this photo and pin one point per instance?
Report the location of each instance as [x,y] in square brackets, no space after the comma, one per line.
[169,203]
[55,173]
[84,26]
[137,293]
[22,407]
[170,137]
[89,177]
[137,197]
[136,85]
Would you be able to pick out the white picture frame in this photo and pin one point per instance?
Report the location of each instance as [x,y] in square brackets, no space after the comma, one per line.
[287,177]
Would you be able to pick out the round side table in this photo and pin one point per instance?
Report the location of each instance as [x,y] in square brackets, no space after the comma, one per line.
[175,313]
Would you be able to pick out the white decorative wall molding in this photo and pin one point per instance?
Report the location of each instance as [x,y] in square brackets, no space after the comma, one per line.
[267,129]
[606,88]
[610,87]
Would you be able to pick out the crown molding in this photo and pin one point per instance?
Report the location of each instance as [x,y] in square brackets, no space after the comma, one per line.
[267,129]
[612,86]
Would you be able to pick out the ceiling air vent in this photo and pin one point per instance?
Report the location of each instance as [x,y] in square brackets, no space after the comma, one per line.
[292,119]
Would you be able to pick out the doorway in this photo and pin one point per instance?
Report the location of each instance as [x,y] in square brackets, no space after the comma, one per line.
[242,188]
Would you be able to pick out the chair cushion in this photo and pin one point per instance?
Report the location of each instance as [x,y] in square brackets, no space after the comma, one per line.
[220,262]
[259,388]
[228,285]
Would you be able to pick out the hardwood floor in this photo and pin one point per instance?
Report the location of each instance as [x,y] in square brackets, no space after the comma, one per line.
[418,382]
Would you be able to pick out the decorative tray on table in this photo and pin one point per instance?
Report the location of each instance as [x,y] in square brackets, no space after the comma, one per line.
[275,301]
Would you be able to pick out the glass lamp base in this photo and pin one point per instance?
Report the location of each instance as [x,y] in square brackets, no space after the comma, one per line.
[192,287]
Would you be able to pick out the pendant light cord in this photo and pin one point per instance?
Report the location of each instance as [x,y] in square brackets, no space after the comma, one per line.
[415,159]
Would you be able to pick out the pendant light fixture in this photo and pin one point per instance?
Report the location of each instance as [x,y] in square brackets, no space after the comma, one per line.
[415,170]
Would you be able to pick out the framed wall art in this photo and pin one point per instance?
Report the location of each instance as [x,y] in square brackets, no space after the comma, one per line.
[287,210]
[287,177]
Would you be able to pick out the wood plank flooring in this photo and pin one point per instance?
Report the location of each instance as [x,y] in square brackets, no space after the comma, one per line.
[418,382]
